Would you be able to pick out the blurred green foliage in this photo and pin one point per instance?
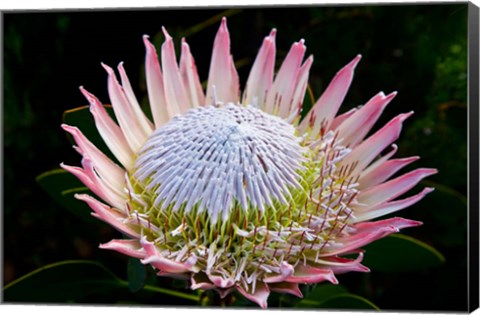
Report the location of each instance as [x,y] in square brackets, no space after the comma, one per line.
[418,50]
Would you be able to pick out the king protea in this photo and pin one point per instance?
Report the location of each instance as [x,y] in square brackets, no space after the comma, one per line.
[232,190]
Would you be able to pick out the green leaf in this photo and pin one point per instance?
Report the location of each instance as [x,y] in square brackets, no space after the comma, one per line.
[74,280]
[400,253]
[323,291]
[345,301]
[62,282]
[446,190]
[62,186]
[136,274]
[330,296]
[81,118]
[320,293]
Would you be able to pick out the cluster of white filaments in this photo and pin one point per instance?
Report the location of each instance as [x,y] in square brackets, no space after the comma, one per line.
[213,156]
[231,185]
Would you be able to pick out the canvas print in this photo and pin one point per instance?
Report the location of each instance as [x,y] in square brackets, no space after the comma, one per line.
[250,157]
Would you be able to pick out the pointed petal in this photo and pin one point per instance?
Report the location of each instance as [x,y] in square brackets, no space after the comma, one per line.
[111,134]
[127,119]
[222,76]
[260,295]
[114,195]
[156,92]
[367,232]
[261,76]
[364,153]
[175,92]
[90,179]
[299,92]
[280,95]
[286,287]
[327,105]
[379,162]
[189,73]
[384,171]
[359,239]
[390,207]
[393,188]
[130,248]
[220,281]
[342,117]
[286,270]
[308,274]
[144,122]
[157,260]
[355,128]
[84,178]
[396,222]
[110,215]
[341,265]
[107,169]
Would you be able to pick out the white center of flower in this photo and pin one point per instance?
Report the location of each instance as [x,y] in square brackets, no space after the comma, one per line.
[215,158]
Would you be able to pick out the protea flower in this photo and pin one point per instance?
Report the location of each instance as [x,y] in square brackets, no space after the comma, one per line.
[238,192]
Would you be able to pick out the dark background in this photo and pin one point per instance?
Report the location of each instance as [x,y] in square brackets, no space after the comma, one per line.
[418,50]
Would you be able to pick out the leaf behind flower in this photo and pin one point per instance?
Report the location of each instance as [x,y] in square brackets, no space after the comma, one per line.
[401,253]
[62,186]
[73,280]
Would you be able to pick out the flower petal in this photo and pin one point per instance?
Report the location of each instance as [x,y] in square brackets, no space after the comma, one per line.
[90,179]
[393,188]
[390,207]
[115,194]
[261,75]
[223,82]
[396,222]
[359,239]
[161,112]
[384,171]
[341,118]
[220,281]
[299,93]
[111,134]
[130,248]
[341,265]
[110,215]
[189,73]
[356,127]
[364,153]
[144,122]
[175,92]
[325,109]
[259,296]
[308,274]
[286,287]
[286,270]
[367,232]
[126,116]
[107,169]
[377,163]
[280,95]
[84,178]
[157,260]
